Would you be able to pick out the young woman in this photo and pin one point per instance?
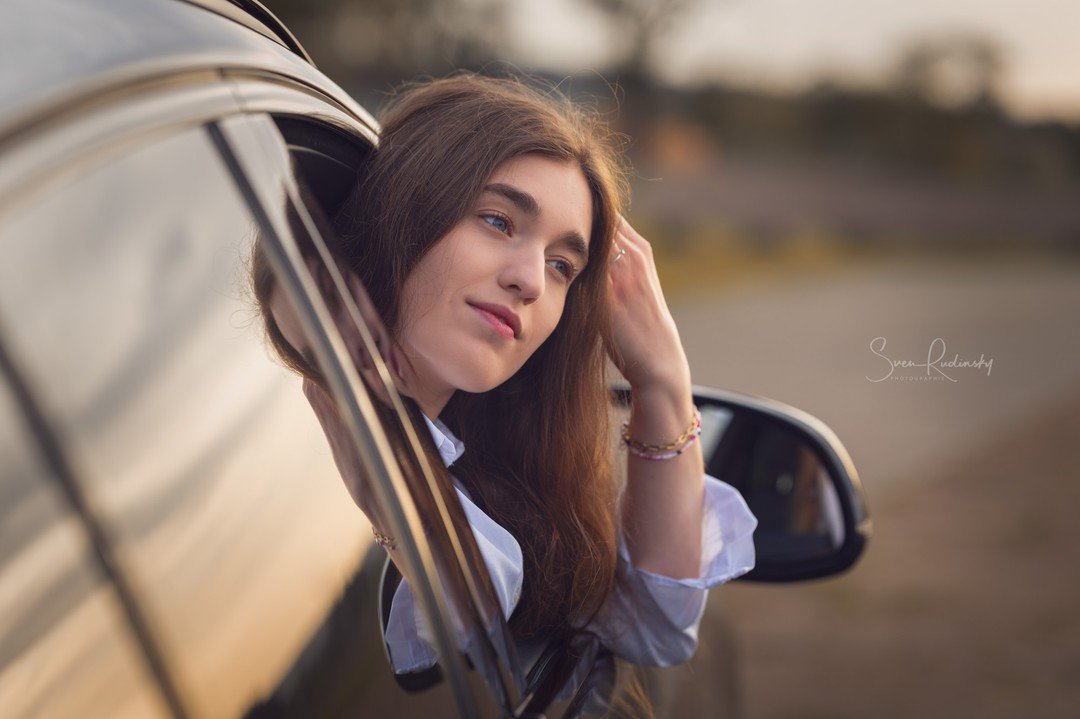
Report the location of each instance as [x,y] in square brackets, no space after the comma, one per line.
[488,234]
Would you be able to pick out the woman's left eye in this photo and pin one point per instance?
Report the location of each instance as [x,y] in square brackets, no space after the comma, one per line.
[499,222]
[564,268]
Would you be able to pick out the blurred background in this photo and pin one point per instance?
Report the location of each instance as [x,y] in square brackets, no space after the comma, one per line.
[815,177]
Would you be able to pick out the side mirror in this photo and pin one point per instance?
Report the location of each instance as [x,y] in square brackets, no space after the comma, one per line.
[797,479]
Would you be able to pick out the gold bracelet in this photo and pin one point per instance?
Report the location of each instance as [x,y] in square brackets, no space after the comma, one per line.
[683,440]
[382,540]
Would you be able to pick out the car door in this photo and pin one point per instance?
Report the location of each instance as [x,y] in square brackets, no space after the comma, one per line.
[205,547]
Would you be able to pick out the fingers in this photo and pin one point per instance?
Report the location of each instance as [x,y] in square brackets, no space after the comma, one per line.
[618,252]
[625,233]
[634,255]
[630,245]
[634,277]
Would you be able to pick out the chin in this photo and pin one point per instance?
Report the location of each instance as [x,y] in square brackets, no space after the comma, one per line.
[479,385]
[485,380]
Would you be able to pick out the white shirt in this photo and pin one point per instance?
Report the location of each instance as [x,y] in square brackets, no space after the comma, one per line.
[648,619]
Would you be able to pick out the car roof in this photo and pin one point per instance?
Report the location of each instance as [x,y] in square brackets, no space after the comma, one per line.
[57,52]
[254,15]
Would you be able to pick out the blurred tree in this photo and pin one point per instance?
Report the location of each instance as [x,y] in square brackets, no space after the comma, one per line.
[956,71]
[639,26]
[938,115]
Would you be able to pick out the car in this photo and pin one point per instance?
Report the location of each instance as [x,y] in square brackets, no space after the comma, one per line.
[175,538]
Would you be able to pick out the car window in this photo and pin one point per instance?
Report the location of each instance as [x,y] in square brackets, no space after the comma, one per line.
[124,293]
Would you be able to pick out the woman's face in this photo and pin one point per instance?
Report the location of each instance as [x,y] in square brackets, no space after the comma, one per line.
[486,296]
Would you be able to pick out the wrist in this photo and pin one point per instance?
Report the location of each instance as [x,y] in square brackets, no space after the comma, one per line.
[659,411]
[661,375]
[675,391]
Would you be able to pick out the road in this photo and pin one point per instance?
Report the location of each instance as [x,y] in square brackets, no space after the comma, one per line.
[806,340]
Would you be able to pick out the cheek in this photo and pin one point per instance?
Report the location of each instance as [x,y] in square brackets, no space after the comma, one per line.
[441,270]
[551,318]
[421,291]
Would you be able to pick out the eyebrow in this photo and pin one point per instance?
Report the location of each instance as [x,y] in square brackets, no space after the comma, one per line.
[527,204]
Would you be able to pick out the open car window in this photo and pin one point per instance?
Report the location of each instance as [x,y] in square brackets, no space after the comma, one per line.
[403,482]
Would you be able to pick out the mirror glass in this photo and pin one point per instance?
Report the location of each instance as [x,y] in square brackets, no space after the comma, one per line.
[782,477]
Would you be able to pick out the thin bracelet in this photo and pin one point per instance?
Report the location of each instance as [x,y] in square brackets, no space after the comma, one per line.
[663,451]
[382,540]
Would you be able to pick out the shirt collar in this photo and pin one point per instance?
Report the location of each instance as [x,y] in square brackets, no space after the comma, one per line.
[450,447]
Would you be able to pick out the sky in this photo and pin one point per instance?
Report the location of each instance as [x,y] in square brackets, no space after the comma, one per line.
[789,44]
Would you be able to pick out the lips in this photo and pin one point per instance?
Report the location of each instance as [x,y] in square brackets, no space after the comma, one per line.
[503,319]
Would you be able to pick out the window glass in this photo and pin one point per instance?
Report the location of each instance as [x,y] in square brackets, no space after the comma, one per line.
[126,295]
[64,647]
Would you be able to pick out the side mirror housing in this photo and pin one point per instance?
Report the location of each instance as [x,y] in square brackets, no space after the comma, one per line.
[797,479]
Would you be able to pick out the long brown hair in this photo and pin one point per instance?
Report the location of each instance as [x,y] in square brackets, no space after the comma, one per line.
[537,456]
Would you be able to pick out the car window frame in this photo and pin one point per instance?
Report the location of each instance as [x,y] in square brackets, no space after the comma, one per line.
[246,142]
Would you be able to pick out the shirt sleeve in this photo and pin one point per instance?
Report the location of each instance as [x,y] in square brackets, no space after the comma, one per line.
[408,635]
[652,619]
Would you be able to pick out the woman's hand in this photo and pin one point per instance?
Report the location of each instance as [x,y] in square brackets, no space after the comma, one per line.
[650,353]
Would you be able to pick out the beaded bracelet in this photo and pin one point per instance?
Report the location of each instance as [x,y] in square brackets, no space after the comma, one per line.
[663,451]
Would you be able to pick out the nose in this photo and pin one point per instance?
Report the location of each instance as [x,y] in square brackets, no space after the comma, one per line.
[523,273]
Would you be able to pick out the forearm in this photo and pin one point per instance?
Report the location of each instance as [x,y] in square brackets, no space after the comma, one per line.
[663,503]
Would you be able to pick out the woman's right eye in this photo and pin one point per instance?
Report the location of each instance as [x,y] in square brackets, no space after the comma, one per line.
[499,222]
